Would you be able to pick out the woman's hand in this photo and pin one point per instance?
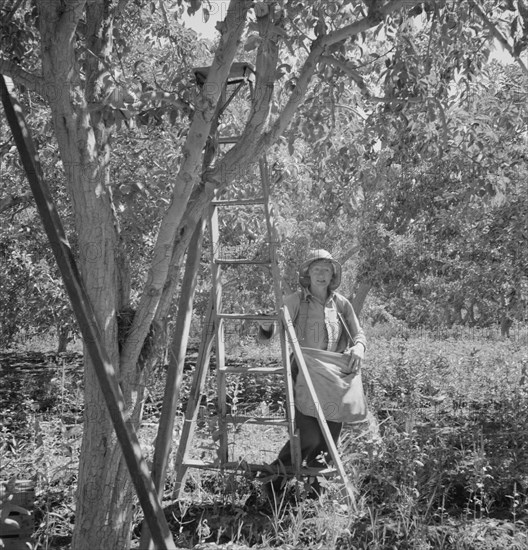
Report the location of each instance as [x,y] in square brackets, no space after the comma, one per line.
[356,353]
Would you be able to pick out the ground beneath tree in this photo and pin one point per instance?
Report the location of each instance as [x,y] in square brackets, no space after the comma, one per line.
[41,419]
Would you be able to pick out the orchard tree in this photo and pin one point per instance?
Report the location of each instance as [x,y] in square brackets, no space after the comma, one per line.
[72,53]
[431,252]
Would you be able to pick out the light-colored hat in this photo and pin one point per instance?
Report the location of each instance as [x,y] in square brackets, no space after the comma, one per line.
[313,256]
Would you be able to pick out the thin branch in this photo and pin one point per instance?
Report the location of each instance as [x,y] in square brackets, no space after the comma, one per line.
[443,120]
[434,24]
[164,14]
[351,109]
[12,12]
[296,97]
[376,59]
[300,31]
[496,33]
[372,20]
[401,101]
[350,70]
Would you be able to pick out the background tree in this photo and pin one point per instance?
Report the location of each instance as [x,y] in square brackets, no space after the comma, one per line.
[32,298]
[430,221]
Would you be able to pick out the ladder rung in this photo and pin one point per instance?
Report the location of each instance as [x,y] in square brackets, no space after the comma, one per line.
[265,468]
[239,202]
[243,261]
[227,465]
[248,316]
[261,420]
[252,370]
[228,139]
[306,471]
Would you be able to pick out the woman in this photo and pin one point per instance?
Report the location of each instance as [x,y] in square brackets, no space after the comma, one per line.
[323,320]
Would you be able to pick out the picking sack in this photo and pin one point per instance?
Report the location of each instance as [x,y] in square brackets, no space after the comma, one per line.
[340,395]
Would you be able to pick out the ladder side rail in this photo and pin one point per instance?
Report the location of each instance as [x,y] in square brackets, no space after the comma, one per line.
[177,360]
[273,243]
[204,352]
[319,413]
[219,329]
[195,396]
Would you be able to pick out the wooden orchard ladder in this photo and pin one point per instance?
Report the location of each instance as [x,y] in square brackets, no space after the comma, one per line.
[214,334]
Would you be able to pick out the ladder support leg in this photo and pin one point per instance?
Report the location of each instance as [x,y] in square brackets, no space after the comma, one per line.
[348,488]
[193,405]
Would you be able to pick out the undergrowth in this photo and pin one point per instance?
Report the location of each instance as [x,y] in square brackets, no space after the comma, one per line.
[443,465]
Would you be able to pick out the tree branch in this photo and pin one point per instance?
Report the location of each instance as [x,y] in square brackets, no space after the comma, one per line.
[248,149]
[266,65]
[32,82]
[67,23]
[351,109]
[372,20]
[318,48]
[11,13]
[188,175]
[495,32]
[349,70]
[296,97]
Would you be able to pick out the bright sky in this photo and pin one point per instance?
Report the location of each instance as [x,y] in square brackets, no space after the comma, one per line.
[217,12]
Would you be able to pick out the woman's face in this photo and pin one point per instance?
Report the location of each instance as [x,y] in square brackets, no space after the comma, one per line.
[320,273]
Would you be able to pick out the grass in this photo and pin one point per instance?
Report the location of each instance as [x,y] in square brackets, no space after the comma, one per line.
[445,465]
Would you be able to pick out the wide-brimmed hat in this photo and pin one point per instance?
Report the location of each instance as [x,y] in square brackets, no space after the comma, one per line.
[313,256]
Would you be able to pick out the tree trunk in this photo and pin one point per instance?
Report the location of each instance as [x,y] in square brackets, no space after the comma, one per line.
[506,324]
[105,497]
[62,335]
[359,298]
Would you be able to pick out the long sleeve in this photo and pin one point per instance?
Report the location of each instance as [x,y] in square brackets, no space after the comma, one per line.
[352,322]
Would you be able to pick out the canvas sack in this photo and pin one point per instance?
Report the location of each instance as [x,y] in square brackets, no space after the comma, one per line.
[340,395]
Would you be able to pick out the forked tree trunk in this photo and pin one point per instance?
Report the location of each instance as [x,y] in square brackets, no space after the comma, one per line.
[105,497]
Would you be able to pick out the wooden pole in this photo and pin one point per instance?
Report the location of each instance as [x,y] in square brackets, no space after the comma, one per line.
[88,326]
[195,395]
[288,324]
[175,370]
[274,241]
